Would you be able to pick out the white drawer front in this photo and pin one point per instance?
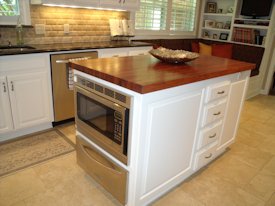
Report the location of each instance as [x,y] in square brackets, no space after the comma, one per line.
[218,91]
[213,112]
[209,135]
[205,157]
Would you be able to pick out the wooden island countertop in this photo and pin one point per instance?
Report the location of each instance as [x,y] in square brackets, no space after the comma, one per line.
[144,74]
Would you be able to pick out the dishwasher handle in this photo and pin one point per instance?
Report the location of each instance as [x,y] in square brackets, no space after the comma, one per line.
[65,61]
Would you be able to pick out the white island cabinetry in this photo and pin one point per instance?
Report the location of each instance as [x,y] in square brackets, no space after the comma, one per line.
[174,132]
[26,104]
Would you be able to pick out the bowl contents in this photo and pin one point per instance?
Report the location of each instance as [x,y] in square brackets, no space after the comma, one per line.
[173,56]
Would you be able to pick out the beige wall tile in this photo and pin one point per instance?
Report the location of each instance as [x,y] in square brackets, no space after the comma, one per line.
[54,19]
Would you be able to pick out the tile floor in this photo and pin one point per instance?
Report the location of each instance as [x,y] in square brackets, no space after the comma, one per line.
[243,176]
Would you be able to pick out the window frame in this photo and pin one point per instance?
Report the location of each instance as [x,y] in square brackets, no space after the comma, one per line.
[24,8]
[140,33]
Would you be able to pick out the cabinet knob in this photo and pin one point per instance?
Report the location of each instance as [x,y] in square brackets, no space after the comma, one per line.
[221,92]
[212,136]
[216,114]
[209,156]
[12,87]
[4,87]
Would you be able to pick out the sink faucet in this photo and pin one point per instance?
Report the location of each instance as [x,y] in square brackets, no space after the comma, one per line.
[9,43]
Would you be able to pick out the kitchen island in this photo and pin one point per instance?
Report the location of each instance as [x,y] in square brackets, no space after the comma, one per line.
[181,117]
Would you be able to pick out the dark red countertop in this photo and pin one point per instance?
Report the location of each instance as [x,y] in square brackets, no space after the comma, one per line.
[145,74]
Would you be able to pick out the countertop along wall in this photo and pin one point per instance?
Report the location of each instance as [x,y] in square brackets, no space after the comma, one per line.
[86,25]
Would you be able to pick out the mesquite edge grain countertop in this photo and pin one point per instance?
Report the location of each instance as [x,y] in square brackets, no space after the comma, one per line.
[144,74]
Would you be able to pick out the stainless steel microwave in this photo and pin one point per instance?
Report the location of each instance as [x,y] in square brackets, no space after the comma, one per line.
[102,115]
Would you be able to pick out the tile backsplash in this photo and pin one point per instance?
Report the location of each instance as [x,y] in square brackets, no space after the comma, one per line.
[85,25]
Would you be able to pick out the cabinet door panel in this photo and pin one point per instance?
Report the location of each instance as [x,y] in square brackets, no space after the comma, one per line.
[232,114]
[29,99]
[172,131]
[5,109]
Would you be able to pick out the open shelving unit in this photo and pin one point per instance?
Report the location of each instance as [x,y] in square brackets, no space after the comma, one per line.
[239,29]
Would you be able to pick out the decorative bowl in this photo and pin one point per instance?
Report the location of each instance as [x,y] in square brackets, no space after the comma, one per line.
[173,56]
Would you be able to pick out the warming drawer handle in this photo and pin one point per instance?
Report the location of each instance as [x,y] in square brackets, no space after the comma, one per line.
[95,157]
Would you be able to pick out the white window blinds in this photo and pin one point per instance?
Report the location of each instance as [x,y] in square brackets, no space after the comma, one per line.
[9,8]
[152,15]
[166,15]
[183,15]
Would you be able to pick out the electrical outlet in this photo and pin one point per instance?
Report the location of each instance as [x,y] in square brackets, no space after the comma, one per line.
[66,28]
[39,28]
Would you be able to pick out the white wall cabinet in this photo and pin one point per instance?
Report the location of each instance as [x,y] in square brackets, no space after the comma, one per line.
[26,98]
[130,5]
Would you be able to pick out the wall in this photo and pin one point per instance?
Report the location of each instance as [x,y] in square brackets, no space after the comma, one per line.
[85,25]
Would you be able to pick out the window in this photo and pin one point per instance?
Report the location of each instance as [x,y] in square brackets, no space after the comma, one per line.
[166,16]
[10,10]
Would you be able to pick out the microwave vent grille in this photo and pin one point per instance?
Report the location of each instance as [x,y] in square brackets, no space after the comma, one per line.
[120,97]
[109,92]
[99,88]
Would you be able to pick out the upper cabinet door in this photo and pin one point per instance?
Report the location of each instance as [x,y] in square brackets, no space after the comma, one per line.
[130,5]
[5,110]
[84,3]
[29,97]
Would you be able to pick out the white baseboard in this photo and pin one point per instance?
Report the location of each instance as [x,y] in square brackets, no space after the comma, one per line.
[25,131]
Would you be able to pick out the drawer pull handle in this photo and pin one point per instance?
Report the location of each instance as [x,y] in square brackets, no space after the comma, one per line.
[209,156]
[222,92]
[218,113]
[212,136]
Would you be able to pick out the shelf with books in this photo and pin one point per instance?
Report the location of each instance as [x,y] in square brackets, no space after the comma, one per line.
[216,29]
[249,36]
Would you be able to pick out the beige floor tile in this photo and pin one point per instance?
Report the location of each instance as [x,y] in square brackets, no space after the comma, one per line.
[269,168]
[58,170]
[268,145]
[20,203]
[19,186]
[249,155]
[232,170]
[177,197]
[71,193]
[68,130]
[271,201]
[249,137]
[214,191]
[262,186]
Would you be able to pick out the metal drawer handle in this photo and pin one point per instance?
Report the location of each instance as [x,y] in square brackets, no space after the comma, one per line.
[222,92]
[4,86]
[212,136]
[218,113]
[209,156]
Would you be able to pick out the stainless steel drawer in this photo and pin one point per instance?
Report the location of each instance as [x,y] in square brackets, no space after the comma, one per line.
[107,173]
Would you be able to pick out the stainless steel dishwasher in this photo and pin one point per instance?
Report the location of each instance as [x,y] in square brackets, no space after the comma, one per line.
[63,97]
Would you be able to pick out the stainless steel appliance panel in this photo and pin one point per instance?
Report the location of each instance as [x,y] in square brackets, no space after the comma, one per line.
[111,176]
[63,98]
